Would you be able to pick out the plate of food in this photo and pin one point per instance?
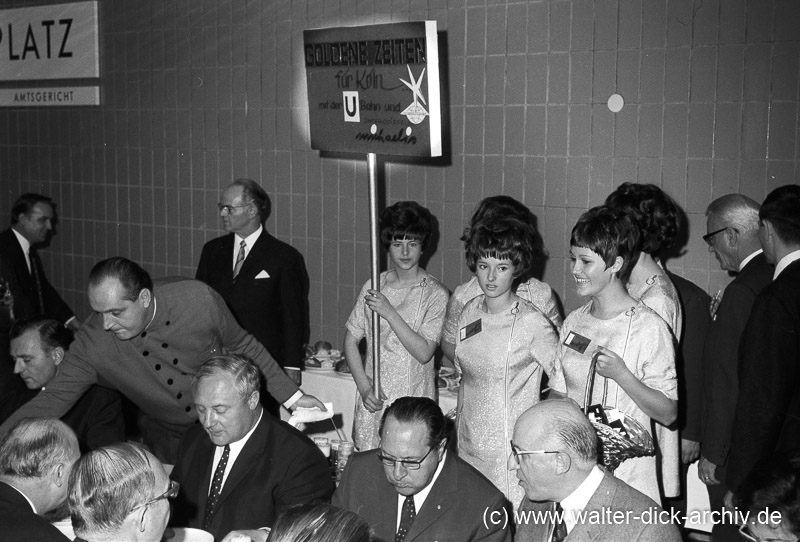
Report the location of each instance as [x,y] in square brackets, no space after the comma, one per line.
[323,357]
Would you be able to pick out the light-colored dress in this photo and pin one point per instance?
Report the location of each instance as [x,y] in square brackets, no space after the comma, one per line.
[659,294]
[422,306]
[644,342]
[537,292]
[501,372]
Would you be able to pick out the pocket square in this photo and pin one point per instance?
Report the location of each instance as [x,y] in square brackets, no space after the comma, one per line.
[262,275]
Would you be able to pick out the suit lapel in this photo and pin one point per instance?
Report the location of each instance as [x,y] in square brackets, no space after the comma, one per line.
[252,454]
[255,256]
[600,503]
[204,464]
[438,501]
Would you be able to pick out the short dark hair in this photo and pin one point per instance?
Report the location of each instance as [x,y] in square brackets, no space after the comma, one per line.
[257,196]
[774,484]
[505,238]
[406,220]
[782,210]
[52,333]
[609,233]
[25,204]
[418,410]
[655,214]
[130,274]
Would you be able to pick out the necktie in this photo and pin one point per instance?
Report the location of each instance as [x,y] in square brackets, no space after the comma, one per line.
[406,519]
[216,487]
[560,528]
[239,259]
[37,279]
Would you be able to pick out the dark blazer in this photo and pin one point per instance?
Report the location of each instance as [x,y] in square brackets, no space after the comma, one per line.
[689,363]
[278,466]
[19,523]
[14,269]
[768,407]
[721,358]
[275,309]
[454,510]
[612,496]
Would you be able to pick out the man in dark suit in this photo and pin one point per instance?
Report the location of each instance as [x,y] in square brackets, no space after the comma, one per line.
[263,280]
[36,458]
[732,236]
[241,465]
[768,407]
[413,489]
[567,496]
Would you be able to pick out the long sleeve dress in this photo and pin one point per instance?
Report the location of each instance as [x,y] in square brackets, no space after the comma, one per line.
[422,306]
[644,342]
[501,358]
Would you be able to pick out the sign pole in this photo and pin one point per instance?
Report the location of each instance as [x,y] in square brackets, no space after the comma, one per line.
[374,245]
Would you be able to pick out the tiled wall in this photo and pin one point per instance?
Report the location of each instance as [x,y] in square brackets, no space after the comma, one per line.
[196,93]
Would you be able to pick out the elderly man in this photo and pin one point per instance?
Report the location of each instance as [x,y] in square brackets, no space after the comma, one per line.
[568,497]
[147,341]
[768,407]
[263,280]
[413,489]
[36,458]
[732,236]
[38,347]
[240,465]
[120,493]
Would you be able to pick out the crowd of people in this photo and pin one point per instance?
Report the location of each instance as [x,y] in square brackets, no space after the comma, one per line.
[203,365]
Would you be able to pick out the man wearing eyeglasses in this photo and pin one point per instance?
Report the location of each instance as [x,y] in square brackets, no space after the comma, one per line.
[241,465]
[732,226]
[120,492]
[554,453]
[36,458]
[413,489]
[263,280]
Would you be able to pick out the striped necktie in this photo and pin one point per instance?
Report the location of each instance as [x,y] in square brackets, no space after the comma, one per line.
[239,259]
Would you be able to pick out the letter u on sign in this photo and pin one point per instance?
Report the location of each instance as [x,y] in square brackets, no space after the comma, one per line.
[352,112]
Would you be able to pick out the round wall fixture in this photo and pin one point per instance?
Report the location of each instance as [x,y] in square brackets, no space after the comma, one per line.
[615,103]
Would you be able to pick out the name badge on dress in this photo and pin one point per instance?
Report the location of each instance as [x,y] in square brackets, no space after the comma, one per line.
[471,329]
[579,343]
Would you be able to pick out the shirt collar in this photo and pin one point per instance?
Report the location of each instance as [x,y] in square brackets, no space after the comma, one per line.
[23,243]
[576,501]
[785,262]
[749,258]
[251,239]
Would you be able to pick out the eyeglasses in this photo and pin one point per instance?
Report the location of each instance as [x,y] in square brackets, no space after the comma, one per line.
[408,464]
[747,534]
[709,236]
[517,452]
[170,493]
[230,208]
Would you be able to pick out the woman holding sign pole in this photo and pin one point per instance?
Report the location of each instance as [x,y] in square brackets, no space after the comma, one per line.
[411,304]
[633,345]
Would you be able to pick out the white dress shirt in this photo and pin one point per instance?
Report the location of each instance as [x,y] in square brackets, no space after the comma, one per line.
[576,501]
[249,241]
[419,498]
[785,262]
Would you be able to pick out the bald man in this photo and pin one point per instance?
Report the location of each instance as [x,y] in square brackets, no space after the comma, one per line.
[554,453]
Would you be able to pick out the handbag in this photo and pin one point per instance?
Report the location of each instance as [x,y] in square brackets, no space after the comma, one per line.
[615,447]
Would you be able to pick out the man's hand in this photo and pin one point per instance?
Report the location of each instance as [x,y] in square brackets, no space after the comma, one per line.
[309,401]
[707,472]
[255,535]
[729,504]
[690,451]
[296,376]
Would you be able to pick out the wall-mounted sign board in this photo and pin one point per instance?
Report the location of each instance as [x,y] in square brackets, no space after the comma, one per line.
[55,41]
[374,89]
[49,97]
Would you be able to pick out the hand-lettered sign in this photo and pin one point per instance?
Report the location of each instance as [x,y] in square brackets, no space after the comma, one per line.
[374,89]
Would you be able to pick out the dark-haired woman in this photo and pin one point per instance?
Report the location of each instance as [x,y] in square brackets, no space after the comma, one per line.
[528,287]
[633,345]
[411,304]
[503,345]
